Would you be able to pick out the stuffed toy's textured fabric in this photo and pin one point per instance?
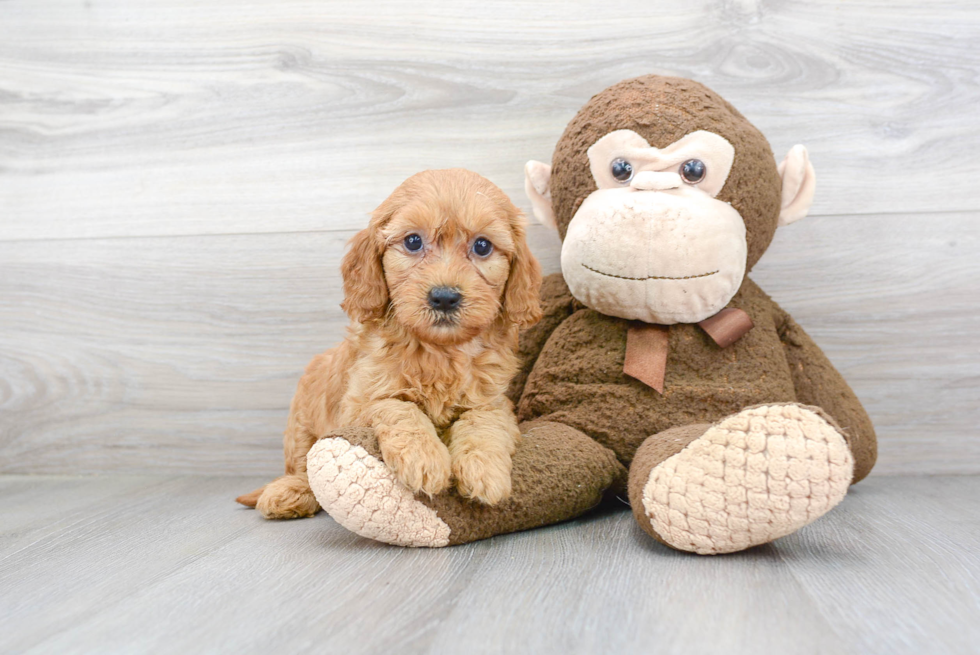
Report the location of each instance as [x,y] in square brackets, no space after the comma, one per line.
[736,439]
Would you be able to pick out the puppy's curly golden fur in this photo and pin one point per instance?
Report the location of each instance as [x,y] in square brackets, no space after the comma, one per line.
[431,347]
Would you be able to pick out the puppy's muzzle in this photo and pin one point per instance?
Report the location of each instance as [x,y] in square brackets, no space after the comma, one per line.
[445,299]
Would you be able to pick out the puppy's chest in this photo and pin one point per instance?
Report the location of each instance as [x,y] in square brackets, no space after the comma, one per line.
[443,404]
[446,389]
[443,385]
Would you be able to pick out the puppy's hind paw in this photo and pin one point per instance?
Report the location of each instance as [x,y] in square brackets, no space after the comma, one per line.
[483,476]
[288,497]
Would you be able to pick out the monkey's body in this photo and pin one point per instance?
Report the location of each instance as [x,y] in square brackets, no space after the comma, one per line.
[664,197]
[580,370]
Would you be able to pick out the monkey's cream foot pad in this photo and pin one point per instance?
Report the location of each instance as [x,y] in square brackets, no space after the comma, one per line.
[361,494]
[754,477]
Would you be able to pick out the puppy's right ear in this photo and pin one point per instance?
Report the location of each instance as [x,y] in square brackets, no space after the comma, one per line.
[365,289]
[522,297]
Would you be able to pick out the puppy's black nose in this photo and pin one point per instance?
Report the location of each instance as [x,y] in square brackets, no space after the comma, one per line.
[444,299]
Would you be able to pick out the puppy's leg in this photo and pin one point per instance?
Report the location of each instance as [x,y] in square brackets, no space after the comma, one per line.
[290,496]
[312,413]
[410,446]
[481,443]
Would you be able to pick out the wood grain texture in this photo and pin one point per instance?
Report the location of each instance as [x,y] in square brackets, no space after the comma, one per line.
[178,180]
[922,530]
[180,354]
[182,117]
[170,565]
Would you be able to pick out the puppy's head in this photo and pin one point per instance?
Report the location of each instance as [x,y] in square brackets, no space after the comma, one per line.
[445,255]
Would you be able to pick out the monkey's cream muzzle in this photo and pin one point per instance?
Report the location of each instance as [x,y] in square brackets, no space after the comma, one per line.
[674,256]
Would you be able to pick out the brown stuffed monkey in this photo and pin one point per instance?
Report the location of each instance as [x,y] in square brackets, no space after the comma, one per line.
[659,369]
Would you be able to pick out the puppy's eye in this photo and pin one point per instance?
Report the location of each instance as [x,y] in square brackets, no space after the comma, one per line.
[622,170]
[413,243]
[482,247]
[693,171]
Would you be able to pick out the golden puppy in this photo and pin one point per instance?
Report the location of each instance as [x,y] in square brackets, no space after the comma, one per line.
[436,287]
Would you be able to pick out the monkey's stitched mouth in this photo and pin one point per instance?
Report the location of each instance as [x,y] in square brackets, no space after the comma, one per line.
[651,277]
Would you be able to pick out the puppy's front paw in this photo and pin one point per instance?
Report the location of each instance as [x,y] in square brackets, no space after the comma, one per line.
[419,461]
[483,475]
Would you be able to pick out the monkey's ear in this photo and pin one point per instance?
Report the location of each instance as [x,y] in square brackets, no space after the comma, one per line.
[537,186]
[799,183]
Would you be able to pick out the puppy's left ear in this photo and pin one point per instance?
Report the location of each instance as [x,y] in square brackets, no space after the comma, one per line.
[522,297]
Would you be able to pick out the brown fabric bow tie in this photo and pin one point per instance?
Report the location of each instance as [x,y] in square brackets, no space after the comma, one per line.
[647,344]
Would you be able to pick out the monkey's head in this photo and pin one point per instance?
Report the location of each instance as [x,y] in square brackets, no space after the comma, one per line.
[664,196]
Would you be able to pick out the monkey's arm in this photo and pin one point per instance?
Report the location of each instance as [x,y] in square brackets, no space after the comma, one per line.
[556,304]
[818,383]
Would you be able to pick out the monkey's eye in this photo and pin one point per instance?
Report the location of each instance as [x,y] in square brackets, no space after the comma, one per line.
[622,170]
[413,243]
[693,171]
[482,247]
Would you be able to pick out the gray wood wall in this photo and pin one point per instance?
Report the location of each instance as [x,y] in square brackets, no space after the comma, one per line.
[178,179]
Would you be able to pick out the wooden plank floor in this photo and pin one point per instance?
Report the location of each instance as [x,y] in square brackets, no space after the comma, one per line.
[170,564]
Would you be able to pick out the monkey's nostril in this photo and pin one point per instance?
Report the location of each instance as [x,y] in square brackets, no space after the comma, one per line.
[444,299]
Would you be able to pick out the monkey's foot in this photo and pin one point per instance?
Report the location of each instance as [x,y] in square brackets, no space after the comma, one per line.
[751,478]
[361,493]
